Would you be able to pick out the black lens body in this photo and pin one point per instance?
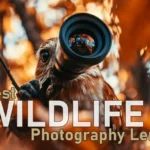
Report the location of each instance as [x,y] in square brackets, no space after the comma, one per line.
[71,64]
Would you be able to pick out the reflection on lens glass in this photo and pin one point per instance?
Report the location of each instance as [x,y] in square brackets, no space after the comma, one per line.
[82,44]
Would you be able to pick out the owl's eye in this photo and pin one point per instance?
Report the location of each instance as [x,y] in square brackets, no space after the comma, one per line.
[45,55]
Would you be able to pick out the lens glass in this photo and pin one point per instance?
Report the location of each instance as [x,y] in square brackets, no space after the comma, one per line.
[82,44]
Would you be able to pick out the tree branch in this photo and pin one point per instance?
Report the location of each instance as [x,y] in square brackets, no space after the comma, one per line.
[2,46]
[29,22]
[9,74]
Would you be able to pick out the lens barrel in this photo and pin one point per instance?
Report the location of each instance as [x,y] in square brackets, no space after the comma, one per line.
[70,62]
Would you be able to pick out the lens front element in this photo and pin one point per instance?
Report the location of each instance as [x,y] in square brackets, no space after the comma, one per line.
[82,44]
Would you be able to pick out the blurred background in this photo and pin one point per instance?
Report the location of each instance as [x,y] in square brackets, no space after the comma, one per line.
[25,24]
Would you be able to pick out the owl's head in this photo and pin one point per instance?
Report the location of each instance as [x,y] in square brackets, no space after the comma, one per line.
[46,59]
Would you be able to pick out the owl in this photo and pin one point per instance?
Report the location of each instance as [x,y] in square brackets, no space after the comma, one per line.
[88,87]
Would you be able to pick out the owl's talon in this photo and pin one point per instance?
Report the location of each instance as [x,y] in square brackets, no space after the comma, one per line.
[29,90]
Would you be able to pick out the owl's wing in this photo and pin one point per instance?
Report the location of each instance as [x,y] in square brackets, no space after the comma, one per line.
[108,94]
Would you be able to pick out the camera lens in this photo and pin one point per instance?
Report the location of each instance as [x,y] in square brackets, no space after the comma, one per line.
[82,44]
[84,41]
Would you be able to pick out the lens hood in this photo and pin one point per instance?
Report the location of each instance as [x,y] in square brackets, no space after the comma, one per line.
[91,25]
